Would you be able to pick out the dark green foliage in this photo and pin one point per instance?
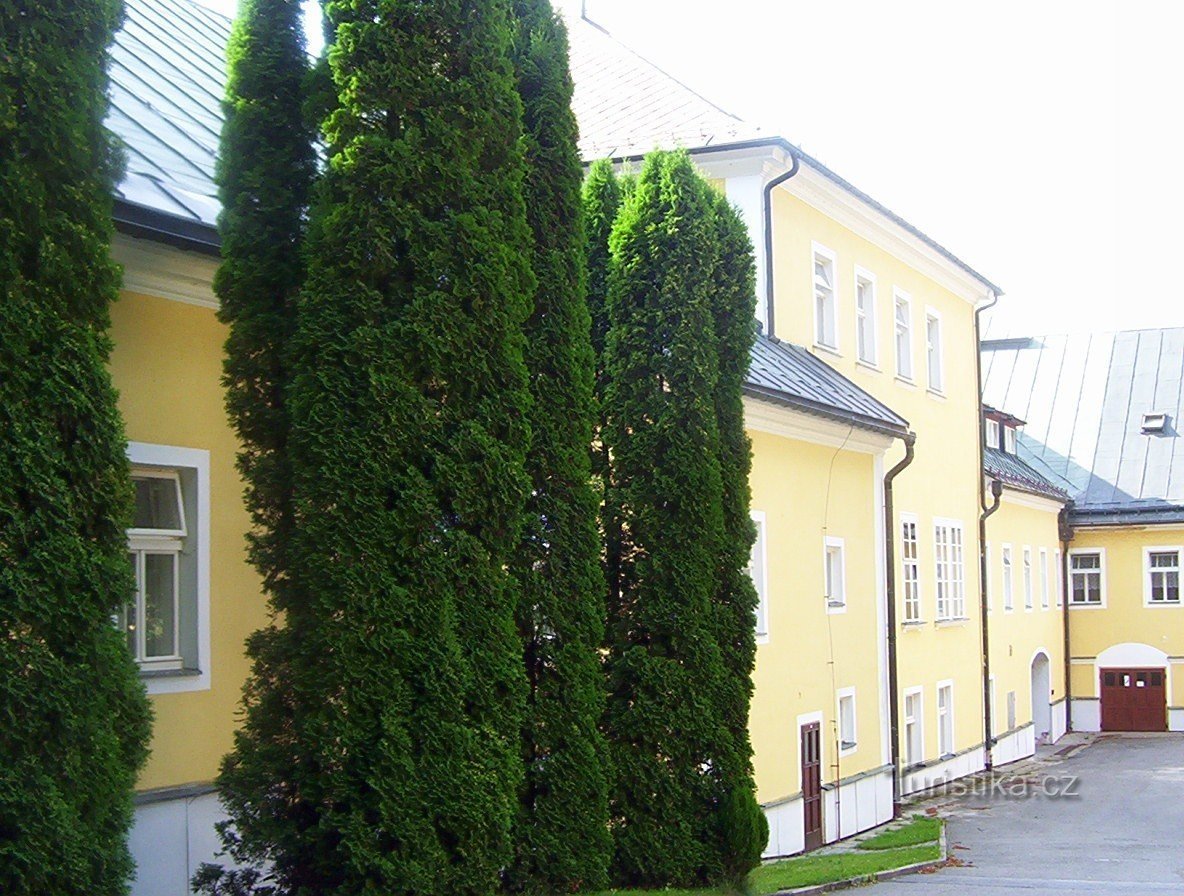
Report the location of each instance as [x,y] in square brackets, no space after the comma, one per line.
[265,174]
[680,326]
[398,684]
[561,838]
[602,202]
[74,721]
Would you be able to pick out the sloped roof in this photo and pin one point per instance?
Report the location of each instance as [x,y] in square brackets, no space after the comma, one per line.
[1084,398]
[787,374]
[1012,471]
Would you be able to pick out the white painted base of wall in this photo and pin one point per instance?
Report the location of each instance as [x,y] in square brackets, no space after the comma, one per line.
[1060,721]
[855,806]
[941,772]
[1087,714]
[170,840]
[1015,745]
[1176,720]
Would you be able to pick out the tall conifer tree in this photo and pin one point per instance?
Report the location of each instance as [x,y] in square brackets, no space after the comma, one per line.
[561,837]
[74,720]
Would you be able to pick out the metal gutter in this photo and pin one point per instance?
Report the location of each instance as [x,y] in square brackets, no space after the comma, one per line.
[1065,531]
[152,224]
[984,621]
[830,412]
[767,214]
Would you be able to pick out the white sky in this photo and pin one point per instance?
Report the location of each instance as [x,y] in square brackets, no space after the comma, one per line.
[1037,140]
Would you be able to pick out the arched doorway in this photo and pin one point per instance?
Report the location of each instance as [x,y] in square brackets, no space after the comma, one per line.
[1041,698]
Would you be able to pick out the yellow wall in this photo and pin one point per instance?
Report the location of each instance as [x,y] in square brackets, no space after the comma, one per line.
[1017,635]
[167,367]
[790,484]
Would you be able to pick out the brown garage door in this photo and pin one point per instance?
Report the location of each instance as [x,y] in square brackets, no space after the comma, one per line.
[1134,700]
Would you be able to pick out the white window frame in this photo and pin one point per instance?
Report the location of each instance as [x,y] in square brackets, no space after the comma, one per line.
[945,719]
[817,252]
[1010,438]
[911,585]
[847,745]
[1101,571]
[1058,578]
[1044,600]
[914,743]
[195,462]
[1148,574]
[1029,595]
[934,353]
[1007,558]
[949,566]
[832,545]
[992,434]
[866,345]
[143,542]
[904,359]
[758,570]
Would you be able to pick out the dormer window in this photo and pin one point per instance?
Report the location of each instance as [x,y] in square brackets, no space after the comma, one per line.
[1009,439]
[992,435]
[1155,423]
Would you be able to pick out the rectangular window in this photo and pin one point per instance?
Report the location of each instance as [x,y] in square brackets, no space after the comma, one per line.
[1009,439]
[151,617]
[1008,579]
[992,433]
[911,570]
[914,750]
[1085,578]
[846,718]
[758,572]
[825,323]
[1163,572]
[945,719]
[1043,579]
[903,316]
[933,350]
[1058,576]
[836,586]
[1027,578]
[865,316]
[949,568]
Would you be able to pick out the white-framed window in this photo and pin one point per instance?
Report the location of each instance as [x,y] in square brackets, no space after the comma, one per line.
[1027,578]
[914,726]
[933,350]
[1087,578]
[758,571]
[826,332]
[1058,576]
[989,592]
[902,311]
[1044,579]
[1163,576]
[910,568]
[167,617]
[865,316]
[1009,439]
[1008,580]
[992,433]
[949,569]
[846,721]
[835,574]
[945,718]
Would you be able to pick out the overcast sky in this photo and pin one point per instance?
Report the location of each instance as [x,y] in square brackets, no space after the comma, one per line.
[1037,140]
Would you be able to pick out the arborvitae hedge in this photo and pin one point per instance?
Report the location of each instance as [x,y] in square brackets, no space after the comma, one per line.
[265,171]
[667,677]
[74,721]
[409,408]
[562,842]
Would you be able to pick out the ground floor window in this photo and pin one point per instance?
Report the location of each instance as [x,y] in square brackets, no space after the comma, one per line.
[913,743]
[945,719]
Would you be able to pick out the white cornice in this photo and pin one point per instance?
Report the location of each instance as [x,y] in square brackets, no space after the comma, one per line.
[790,423]
[157,270]
[1024,499]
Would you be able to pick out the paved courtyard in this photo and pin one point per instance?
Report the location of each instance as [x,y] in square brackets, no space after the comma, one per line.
[1118,829]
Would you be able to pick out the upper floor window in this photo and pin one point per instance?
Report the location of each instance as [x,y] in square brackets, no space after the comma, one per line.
[1043,579]
[903,317]
[1009,439]
[151,617]
[865,316]
[933,350]
[846,708]
[992,433]
[825,312]
[1085,578]
[757,571]
[1008,583]
[911,570]
[836,585]
[1027,578]
[1163,575]
[950,570]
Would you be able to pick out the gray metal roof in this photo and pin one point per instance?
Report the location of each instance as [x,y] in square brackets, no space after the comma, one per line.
[1015,473]
[787,374]
[1084,398]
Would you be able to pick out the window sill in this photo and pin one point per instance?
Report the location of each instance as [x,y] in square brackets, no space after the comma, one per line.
[846,749]
[1162,604]
[952,621]
[828,349]
[1087,606]
[913,624]
[869,366]
[936,393]
[169,673]
[906,381]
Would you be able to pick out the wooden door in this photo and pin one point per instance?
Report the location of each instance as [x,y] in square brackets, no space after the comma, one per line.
[1134,700]
[811,753]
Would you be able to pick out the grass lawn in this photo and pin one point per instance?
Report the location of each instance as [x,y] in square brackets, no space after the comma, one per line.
[921,829]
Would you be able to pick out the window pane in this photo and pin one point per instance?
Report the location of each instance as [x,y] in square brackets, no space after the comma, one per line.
[157,505]
[128,614]
[160,605]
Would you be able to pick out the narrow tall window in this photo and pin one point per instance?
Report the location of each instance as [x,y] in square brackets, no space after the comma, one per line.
[933,350]
[865,317]
[914,750]
[835,582]
[945,719]
[911,571]
[1058,576]
[992,436]
[847,720]
[151,617]
[1043,579]
[825,324]
[1163,570]
[757,571]
[1008,580]
[950,570]
[1009,439]
[1027,578]
[1085,578]
[904,336]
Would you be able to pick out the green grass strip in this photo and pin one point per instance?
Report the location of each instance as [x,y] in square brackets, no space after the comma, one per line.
[920,830]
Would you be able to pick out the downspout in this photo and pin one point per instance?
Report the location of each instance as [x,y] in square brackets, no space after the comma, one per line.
[767,209]
[984,621]
[910,439]
[1066,533]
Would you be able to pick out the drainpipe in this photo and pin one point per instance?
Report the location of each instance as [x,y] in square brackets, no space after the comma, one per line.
[1066,533]
[910,440]
[767,206]
[984,620]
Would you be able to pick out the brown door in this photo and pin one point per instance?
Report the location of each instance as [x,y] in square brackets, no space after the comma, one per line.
[1134,700]
[812,783]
